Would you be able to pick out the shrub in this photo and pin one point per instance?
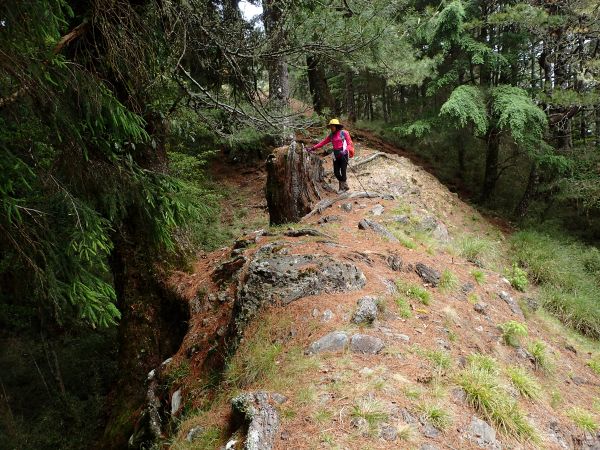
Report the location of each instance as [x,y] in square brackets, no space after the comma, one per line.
[512,331]
[523,382]
[518,278]
[568,274]
[594,364]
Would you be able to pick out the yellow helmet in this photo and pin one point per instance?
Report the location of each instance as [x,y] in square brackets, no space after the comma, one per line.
[334,122]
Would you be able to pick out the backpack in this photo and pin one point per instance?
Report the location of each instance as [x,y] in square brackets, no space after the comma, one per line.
[348,145]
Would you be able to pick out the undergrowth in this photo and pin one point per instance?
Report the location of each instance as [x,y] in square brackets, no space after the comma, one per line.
[568,275]
[414,291]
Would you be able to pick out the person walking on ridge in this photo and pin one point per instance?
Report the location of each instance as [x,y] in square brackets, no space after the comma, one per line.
[343,149]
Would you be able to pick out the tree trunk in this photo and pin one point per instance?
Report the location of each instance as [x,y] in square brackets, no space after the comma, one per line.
[318,86]
[153,324]
[491,164]
[530,191]
[293,180]
[350,104]
[279,85]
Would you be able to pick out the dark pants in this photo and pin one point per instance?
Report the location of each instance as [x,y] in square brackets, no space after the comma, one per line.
[339,167]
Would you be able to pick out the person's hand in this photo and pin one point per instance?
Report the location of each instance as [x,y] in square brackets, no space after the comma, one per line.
[325,153]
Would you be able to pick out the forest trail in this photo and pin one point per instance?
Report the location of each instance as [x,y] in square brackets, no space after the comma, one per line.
[401,354]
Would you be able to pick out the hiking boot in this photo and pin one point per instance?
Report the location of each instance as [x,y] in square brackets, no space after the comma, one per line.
[344,186]
[340,186]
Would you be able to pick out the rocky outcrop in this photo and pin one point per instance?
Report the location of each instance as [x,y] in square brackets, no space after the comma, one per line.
[261,420]
[274,276]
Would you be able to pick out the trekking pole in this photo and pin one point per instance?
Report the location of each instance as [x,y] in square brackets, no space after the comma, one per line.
[357,178]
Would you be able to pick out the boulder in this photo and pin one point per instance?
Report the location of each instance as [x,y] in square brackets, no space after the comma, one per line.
[363,343]
[331,342]
[428,274]
[484,434]
[481,307]
[366,312]
[394,261]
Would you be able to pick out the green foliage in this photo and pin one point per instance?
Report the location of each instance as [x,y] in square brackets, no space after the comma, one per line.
[524,382]
[466,105]
[518,278]
[567,273]
[594,364]
[255,360]
[441,360]
[583,419]
[512,331]
[514,111]
[448,24]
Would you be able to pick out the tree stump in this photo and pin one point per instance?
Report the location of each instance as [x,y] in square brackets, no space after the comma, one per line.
[294,177]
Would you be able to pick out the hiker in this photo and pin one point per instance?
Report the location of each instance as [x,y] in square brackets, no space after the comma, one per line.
[342,150]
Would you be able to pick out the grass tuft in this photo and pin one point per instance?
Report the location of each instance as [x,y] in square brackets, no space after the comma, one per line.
[526,385]
[487,397]
[371,410]
[448,281]
[436,415]
[403,308]
[441,360]
[583,419]
[484,362]
[479,276]
[478,250]
[414,291]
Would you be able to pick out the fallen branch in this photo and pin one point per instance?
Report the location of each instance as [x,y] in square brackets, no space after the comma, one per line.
[324,204]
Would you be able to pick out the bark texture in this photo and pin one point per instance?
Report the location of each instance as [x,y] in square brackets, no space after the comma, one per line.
[294,182]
